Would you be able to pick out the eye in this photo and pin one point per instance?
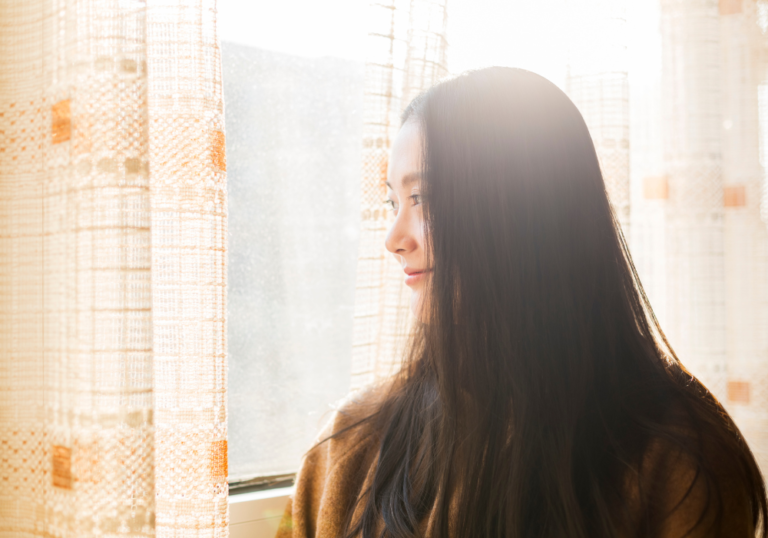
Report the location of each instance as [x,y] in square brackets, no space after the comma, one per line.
[391,204]
[416,199]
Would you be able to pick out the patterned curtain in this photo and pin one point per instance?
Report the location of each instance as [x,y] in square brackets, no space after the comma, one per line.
[745,235]
[698,237]
[597,82]
[406,55]
[112,270]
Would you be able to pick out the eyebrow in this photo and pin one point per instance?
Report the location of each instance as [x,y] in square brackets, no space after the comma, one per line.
[409,178]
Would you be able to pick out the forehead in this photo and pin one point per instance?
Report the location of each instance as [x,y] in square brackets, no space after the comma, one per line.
[405,159]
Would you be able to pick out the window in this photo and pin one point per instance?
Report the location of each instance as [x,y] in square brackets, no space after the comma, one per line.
[294,126]
[293,84]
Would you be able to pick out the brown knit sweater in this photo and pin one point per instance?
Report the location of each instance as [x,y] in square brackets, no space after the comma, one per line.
[334,473]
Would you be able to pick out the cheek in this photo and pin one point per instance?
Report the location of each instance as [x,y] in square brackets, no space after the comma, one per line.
[416,303]
[420,304]
[419,231]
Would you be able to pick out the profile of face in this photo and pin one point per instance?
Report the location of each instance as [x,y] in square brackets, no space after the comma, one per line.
[405,238]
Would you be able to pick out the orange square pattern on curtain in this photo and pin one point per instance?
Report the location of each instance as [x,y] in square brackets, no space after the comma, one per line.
[112,270]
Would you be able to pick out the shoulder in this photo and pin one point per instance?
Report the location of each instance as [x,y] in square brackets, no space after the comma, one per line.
[336,469]
[350,436]
[359,405]
[352,419]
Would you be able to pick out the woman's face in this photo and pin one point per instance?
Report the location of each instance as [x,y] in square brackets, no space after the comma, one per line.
[405,238]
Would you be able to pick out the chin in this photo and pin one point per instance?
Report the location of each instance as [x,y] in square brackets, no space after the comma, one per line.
[416,306]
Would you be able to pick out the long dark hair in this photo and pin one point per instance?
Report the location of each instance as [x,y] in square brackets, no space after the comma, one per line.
[541,379]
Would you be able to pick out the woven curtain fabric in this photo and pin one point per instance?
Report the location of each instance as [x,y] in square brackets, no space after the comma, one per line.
[597,82]
[189,227]
[701,238]
[745,241]
[693,160]
[697,235]
[112,252]
[406,54]
[76,334]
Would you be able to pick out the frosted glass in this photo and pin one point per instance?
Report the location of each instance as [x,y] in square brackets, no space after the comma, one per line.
[294,127]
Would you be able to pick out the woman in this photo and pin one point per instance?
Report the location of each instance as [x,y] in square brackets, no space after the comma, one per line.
[539,398]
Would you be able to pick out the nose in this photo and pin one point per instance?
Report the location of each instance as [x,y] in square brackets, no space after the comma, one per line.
[401,238]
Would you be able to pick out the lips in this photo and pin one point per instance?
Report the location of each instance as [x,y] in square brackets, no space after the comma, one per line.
[415,276]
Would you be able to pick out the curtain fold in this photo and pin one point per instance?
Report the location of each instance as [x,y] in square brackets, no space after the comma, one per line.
[698,239]
[112,270]
[597,81]
[406,54]
[189,234]
[745,235]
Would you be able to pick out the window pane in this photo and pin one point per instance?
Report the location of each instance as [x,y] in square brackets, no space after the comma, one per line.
[294,129]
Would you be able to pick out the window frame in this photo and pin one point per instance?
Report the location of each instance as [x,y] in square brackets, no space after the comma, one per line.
[257,514]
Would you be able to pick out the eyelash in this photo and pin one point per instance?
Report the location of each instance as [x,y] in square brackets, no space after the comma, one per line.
[391,203]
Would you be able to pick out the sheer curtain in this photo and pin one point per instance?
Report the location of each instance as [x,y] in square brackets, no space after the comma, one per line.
[698,238]
[112,270]
[406,54]
[597,80]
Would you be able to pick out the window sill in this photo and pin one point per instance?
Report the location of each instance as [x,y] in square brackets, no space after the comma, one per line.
[257,514]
